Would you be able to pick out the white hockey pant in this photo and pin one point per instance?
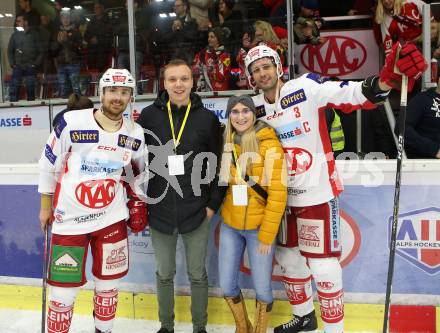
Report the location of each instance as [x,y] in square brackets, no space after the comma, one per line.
[327,274]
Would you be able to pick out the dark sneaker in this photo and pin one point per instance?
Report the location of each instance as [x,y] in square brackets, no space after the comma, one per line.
[164,330]
[98,331]
[202,331]
[305,323]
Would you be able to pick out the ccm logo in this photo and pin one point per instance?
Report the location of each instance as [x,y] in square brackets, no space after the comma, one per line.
[338,56]
[107,148]
[275,115]
[96,193]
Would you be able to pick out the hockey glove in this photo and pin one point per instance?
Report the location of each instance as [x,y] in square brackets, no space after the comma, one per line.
[410,62]
[138,219]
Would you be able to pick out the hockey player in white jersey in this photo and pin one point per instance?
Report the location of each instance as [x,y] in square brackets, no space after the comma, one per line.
[83,197]
[296,110]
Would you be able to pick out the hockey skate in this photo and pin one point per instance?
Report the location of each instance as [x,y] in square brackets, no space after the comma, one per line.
[98,331]
[305,323]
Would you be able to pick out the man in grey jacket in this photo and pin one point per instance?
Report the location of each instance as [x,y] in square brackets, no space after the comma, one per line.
[25,54]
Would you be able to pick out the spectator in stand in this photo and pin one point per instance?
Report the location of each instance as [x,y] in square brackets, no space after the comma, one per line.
[422,132]
[198,10]
[225,16]
[56,22]
[282,35]
[277,11]
[25,54]
[32,15]
[213,63]
[399,20]
[306,31]
[183,35]
[264,34]
[98,36]
[310,9]
[121,32]
[46,33]
[246,40]
[435,39]
[66,45]
[75,102]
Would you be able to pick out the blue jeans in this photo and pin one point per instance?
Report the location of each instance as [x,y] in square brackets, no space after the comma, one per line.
[68,76]
[18,72]
[232,245]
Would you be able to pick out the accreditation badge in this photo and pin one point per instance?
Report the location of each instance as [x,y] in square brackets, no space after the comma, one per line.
[175,165]
[239,195]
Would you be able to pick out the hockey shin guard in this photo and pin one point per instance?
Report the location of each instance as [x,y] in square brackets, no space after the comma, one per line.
[105,303]
[60,312]
[296,279]
[327,273]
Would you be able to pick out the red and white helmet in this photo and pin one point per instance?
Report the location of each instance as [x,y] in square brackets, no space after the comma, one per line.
[114,77]
[259,52]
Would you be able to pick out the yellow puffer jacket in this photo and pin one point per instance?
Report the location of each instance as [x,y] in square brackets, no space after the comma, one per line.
[259,213]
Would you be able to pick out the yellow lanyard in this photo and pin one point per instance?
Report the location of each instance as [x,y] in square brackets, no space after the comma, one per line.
[237,164]
[176,142]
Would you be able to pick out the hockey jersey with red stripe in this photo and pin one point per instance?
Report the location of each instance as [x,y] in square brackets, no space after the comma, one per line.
[83,166]
[298,117]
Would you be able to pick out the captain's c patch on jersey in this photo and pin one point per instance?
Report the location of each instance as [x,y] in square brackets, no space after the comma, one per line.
[293,98]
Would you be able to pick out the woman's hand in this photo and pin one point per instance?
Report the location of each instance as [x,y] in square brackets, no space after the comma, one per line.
[209,213]
[264,249]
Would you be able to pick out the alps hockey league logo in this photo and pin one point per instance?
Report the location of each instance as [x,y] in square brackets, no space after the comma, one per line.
[418,238]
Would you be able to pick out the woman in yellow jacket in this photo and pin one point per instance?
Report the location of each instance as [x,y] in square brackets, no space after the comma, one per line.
[249,220]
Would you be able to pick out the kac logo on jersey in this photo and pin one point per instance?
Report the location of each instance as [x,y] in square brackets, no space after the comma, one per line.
[84,136]
[298,161]
[96,194]
[128,142]
[418,238]
[292,99]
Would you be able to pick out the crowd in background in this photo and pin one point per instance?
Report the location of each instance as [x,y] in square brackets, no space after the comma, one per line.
[64,54]
[67,52]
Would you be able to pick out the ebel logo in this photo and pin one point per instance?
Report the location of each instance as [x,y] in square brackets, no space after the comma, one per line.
[338,56]
[96,193]
[292,99]
[84,136]
[418,238]
[298,161]
[128,142]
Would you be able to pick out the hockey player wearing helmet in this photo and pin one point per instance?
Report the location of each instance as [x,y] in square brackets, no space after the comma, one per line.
[296,110]
[83,197]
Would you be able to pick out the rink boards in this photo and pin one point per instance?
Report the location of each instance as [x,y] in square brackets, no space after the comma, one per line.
[366,210]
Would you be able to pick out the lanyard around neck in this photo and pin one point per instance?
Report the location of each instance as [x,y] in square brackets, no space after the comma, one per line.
[177,141]
[237,164]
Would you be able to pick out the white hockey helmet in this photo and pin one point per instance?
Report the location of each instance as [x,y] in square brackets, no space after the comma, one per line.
[114,77]
[259,52]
